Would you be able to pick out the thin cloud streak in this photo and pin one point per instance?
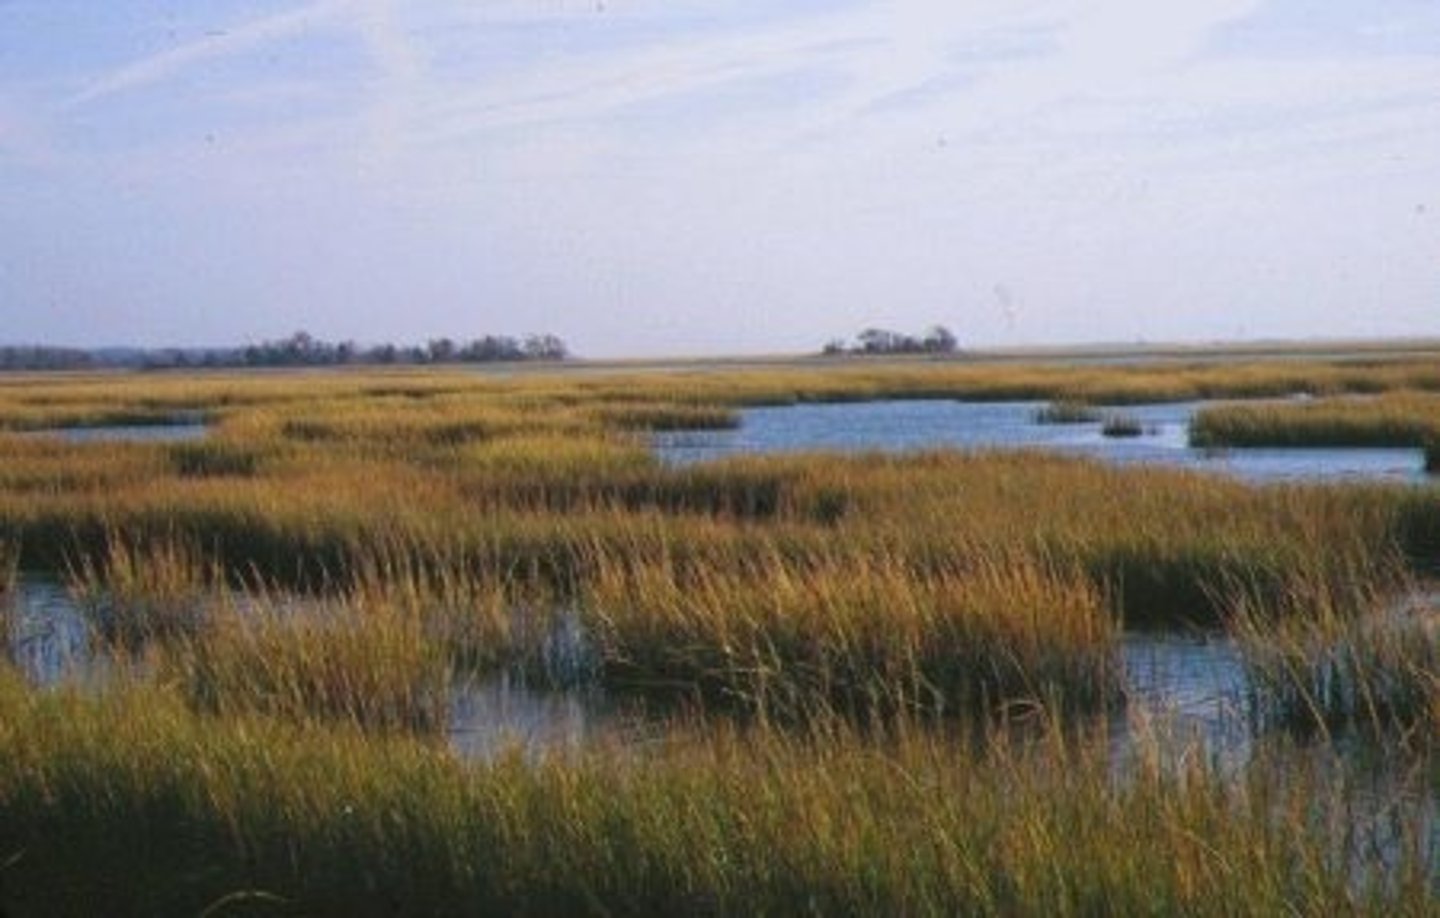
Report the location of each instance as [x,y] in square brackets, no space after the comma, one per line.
[159,68]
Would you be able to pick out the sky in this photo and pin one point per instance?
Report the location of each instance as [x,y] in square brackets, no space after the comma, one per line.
[684,177]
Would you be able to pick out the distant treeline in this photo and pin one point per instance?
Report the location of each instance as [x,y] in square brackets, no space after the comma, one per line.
[299,350]
[45,358]
[938,340]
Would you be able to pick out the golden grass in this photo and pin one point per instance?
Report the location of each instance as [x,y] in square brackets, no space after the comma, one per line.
[1394,419]
[869,636]
[1317,663]
[386,527]
[360,663]
[131,803]
[135,592]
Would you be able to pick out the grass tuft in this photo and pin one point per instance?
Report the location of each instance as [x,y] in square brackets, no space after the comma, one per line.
[1067,412]
[348,661]
[1122,425]
[135,592]
[1318,662]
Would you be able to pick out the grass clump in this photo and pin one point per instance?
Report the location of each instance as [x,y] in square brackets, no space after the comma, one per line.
[1396,419]
[134,592]
[1122,425]
[1319,662]
[866,637]
[349,661]
[1067,412]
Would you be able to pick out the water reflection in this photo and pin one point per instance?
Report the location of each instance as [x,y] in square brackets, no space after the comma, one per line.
[905,425]
[179,431]
[1185,691]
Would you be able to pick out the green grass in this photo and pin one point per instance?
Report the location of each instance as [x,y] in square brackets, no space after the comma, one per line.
[131,803]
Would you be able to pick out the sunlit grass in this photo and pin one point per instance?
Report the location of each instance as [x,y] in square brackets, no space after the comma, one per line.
[352,661]
[868,636]
[1316,663]
[309,578]
[1394,419]
[136,592]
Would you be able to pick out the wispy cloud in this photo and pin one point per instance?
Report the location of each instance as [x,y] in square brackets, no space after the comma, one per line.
[221,43]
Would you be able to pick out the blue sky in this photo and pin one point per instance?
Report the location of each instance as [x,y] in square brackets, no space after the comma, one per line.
[646,177]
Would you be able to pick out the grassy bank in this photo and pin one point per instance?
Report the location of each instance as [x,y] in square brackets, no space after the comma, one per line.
[1395,419]
[132,802]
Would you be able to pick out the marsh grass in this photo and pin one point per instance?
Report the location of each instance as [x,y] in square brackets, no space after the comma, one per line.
[1392,419]
[1067,412]
[1121,425]
[1318,662]
[133,803]
[479,621]
[351,661]
[136,592]
[870,637]
[353,538]
[9,601]
[215,458]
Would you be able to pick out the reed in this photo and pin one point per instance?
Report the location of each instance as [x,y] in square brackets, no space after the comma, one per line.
[478,620]
[1318,662]
[353,661]
[9,601]
[1121,425]
[133,803]
[1398,419]
[141,591]
[871,637]
[215,458]
[1067,412]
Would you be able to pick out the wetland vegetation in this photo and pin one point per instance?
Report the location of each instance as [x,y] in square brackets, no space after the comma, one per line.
[889,682]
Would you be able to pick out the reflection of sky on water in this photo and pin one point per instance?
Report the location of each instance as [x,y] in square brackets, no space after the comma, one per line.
[902,425]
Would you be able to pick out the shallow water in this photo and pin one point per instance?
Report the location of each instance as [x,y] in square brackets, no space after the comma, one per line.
[907,425]
[179,432]
[1195,681]
[1182,690]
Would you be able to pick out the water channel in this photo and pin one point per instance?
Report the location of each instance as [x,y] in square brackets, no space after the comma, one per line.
[907,425]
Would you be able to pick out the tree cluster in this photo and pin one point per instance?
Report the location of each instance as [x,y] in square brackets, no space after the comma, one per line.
[877,341]
[44,358]
[299,350]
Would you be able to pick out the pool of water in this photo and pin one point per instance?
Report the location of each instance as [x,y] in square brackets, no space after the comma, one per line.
[1197,680]
[907,425]
[179,432]
[1181,689]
